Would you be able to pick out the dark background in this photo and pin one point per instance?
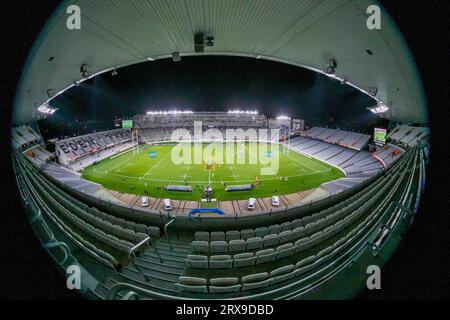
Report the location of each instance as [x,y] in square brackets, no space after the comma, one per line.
[419,270]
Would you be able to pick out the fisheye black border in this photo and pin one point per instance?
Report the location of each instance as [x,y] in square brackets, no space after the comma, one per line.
[419,269]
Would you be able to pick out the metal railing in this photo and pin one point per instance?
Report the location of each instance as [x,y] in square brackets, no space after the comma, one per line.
[166,226]
[63,246]
[132,255]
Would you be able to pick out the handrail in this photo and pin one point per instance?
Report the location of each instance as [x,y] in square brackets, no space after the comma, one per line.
[132,254]
[132,250]
[166,234]
[59,244]
[131,294]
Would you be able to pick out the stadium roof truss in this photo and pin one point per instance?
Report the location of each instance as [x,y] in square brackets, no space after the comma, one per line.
[306,33]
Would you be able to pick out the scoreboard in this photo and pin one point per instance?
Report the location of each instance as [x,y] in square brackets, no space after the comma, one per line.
[379,136]
[127,124]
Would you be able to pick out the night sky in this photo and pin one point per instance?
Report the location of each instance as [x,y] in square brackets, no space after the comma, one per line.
[211,83]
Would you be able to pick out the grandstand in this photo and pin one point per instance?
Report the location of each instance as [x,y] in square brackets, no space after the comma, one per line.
[405,135]
[273,259]
[266,253]
[352,140]
[23,137]
[79,152]
[141,226]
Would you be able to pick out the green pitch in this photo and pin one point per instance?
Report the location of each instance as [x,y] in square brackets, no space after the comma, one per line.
[151,168]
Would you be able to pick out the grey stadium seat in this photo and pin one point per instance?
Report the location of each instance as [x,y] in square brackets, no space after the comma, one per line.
[307,220]
[254,243]
[218,247]
[141,236]
[266,255]
[130,225]
[142,228]
[282,274]
[197,261]
[297,223]
[298,233]
[129,235]
[192,284]
[224,285]
[153,231]
[329,231]
[316,238]
[247,234]
[339,243]
[271,240]
[200,246]
[285,250]
[237,245]
[274,229]
[201,236]
[305,262]
[232,235]
[217,236]
[285,236]
[309,228]
[108,226]
[120,222]
[244,259]
[255,281]
[325,252]
[286,226]
[302,244]
[220,262]
[261,232]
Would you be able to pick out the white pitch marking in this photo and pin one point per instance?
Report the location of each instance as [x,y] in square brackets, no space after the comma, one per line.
[156,165]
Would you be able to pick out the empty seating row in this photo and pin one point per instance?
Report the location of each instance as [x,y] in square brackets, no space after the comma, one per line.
[347,139]
[23,136]
[288,272]
[235,241]
[88,212]
[108,239]
[92,219]
[116,226]
[85,245]
[269,254]
[261,280]
[408,135]
[265,279]
[233,284]
[72,149]
[336,223]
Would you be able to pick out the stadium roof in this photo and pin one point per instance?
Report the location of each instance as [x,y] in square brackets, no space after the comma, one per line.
[306,33]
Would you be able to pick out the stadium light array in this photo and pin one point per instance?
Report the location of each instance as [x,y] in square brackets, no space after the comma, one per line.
[46,109]
[379,108]
[242,112]
[283,118]
[170,112]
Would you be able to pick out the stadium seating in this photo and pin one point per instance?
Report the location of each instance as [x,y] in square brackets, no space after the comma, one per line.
[73,150]
[269,261]
[23,137]
[352,140]
[356,164]
[114,232]
[409,136]
[38,155]
[306,264]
